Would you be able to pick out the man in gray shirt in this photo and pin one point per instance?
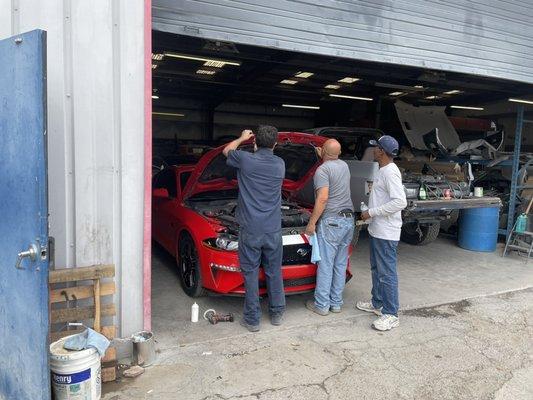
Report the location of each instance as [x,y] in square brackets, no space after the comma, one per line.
[333,211]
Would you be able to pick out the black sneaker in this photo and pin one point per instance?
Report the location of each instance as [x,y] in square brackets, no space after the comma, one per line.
[251,328]
[276,319]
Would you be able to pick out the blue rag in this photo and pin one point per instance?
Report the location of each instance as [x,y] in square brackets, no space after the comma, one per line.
[86,339]
[315,253]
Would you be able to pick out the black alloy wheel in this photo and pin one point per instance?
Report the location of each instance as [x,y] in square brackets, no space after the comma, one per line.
[189,266]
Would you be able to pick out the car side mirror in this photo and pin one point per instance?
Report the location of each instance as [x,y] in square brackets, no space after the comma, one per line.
[161,192]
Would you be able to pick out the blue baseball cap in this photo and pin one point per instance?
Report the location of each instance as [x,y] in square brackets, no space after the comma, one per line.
[386,143]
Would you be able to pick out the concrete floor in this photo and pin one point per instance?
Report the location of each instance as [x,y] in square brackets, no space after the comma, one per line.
[435,274]
[479,348]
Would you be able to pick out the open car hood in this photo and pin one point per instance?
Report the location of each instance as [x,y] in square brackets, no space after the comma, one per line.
[296,149]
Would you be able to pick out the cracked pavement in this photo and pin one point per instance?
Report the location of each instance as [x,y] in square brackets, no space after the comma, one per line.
[479,348]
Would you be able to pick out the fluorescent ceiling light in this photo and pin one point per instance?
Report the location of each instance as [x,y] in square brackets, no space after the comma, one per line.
[301,74]
[157,57]
[204,59]
[205,72]
[418,87]
[168,114]
[453,92]
[469,108]
[344,96]
[289,82]
[214,63]
[299,106]
[332,87]
[348,80]
[405,88]
[154,66]
[432,97]
[395,93]
[154,96]
[521,101]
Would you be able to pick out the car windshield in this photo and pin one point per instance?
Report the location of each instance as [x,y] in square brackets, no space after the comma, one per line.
[299,159]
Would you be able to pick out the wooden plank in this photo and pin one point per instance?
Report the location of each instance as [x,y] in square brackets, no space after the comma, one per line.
[107,331]
[81,274]
[54,336]
[109,374]
[80,313]
[110,355]
[97,308]
[81,292]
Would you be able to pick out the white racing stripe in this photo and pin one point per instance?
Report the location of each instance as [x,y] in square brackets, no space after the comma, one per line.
[293,239]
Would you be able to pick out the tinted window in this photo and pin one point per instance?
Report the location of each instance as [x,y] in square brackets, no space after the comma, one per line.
[166,179]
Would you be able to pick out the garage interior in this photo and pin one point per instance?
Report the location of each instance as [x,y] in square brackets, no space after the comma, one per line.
[205,92]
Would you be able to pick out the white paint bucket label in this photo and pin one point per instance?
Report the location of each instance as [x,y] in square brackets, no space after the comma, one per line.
[76,386]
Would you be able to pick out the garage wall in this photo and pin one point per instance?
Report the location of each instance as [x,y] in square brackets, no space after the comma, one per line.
[490,38]
[95,122]
[228,119]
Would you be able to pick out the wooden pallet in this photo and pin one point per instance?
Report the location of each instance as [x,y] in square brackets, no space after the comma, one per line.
[88,286]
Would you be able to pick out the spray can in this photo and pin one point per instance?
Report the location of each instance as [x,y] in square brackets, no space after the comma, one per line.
[521,223]
[194,312]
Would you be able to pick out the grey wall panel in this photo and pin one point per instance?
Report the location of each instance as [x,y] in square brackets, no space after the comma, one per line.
[490,38]
[95,101]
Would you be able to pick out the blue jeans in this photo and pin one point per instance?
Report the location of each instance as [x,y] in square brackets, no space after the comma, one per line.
[264,250]
[384,275]
[334,235]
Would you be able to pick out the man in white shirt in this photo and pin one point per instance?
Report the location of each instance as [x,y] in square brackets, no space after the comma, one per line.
[387,200]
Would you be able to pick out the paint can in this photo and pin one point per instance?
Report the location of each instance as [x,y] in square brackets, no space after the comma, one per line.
[478,191]
[76,375]
[143,348]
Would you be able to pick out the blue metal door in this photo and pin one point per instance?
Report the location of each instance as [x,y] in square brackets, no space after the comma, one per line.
[24,373]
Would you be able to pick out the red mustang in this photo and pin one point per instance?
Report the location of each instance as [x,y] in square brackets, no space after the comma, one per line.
[194,219]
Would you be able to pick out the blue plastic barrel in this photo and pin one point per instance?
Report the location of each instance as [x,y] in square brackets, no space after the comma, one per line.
[478,228]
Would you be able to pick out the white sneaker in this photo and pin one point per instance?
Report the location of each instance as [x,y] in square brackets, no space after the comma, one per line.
[386,322]
[368,307]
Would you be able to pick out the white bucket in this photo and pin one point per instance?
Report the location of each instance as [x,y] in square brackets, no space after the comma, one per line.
[76,375]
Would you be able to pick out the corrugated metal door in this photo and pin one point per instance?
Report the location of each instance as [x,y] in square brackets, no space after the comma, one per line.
[490,38]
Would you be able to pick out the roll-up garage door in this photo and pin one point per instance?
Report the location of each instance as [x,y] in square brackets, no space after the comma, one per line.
[489,38]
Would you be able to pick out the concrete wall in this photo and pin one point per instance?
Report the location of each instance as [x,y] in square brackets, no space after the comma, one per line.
[95,122]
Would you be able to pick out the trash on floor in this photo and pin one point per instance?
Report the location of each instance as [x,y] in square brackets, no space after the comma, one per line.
[214,318]
[133,372]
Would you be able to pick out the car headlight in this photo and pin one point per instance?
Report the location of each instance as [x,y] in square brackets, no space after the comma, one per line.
[227,242]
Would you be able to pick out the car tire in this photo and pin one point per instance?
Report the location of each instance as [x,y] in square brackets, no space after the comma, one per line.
[356,234]
[426,233]
[189,266]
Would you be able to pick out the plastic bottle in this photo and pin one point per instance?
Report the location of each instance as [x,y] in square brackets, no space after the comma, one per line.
[521,223]
[422,195]
[194,312]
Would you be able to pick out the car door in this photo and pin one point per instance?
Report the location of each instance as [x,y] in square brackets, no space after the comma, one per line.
[24,373]
[165,208]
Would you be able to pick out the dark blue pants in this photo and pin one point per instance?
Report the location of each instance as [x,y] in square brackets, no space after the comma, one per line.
[384,275]
[264,250]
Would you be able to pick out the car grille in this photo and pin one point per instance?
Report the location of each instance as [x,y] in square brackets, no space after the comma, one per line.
[295,254]
[310,280]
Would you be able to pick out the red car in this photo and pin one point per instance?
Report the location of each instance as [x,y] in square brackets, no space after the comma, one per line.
[194,219]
